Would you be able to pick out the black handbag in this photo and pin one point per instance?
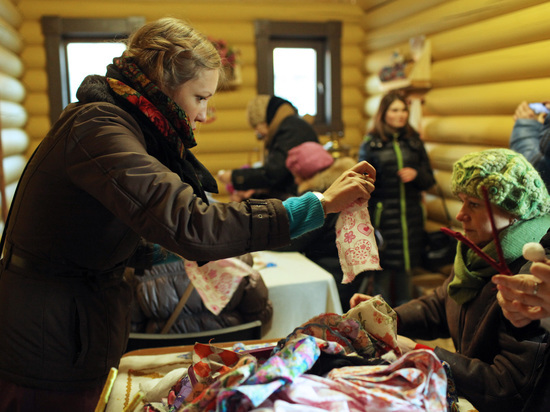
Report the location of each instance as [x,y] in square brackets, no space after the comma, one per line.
[439,248]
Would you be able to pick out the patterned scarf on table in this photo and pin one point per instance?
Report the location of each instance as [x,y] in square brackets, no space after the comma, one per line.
[166,118]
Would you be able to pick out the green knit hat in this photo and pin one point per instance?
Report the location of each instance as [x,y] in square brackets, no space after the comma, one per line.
[511,181]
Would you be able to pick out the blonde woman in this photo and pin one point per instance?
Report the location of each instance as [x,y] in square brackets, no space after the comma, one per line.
[117,167]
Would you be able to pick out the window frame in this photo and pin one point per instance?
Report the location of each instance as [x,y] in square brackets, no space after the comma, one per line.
[58,31]
[271,34]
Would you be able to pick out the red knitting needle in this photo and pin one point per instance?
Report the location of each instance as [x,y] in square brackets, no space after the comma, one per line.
[500,266]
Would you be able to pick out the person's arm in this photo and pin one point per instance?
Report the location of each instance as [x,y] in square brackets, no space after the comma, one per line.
[425,317]
[526,134]
[525,138]
[107,158]
[505,381]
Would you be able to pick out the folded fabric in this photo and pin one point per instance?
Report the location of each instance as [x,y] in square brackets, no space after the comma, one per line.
[355,242]
[414,382]
[369,329]
[217,281]
[378,318]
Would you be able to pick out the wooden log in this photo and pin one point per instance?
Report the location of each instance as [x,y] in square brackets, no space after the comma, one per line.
[11,89]
[468,130]
[10,63]
[14,141]
[527,61]
[485,99]
[12,114]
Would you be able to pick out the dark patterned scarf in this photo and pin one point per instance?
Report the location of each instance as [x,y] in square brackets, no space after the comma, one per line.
[165,118]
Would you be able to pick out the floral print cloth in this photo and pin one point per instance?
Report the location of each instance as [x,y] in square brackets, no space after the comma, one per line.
[249,386]
[216,281]
[415,382]
[355,242]
[379,319]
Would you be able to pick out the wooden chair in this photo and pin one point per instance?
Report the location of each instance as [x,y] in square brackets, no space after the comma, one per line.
[246,331]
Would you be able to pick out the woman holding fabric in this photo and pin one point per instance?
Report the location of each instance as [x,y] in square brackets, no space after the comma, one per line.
[495,364]
[394,148]
[117,167]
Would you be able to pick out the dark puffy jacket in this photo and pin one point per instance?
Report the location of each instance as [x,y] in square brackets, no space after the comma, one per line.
[395,207]
[159,289]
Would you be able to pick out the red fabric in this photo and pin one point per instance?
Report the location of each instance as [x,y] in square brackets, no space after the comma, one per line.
[420,346]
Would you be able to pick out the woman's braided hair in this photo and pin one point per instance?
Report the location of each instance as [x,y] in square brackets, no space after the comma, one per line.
[170,52]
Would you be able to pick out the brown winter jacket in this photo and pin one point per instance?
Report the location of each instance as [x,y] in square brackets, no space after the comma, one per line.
[89,193]
[495,365]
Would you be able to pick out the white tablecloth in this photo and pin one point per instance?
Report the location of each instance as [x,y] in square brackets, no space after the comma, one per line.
[298,288]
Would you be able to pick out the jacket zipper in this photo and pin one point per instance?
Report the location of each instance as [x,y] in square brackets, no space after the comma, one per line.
[403,208]
[378,214]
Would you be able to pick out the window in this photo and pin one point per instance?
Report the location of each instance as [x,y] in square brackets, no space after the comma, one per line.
[300,61]
[61,32]
[295,77]
[84,58]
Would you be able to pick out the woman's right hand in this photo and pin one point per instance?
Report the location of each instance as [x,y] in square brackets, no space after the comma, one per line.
[520,305]
[354,184]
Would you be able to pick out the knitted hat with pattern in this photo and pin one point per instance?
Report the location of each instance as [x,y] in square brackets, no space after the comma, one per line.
[512,182]
[308,159]
[257,109]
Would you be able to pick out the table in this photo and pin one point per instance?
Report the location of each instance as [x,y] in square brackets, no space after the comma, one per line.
[299,289]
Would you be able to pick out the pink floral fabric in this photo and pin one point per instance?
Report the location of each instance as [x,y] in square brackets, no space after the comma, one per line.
[355,242]
[216,281]
[416,382]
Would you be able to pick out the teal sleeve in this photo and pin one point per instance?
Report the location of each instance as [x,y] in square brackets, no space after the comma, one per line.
[305,213]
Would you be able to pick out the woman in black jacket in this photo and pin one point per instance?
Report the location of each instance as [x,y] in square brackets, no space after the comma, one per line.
[278,125]
[394,148]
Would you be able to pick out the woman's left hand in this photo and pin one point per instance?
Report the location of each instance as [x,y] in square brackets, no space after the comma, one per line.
[354,184]
[407,174]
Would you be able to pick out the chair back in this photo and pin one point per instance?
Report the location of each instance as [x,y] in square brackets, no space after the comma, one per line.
[246,331]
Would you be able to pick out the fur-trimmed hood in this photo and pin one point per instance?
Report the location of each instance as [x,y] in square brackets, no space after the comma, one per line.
[322,180]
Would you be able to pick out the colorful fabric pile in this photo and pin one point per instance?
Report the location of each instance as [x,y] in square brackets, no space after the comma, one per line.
[332,362]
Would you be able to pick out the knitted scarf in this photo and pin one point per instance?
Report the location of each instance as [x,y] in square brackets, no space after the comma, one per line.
[471,272]
[171,135]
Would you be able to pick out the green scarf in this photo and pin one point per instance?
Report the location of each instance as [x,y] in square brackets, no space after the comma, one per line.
[471,272]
